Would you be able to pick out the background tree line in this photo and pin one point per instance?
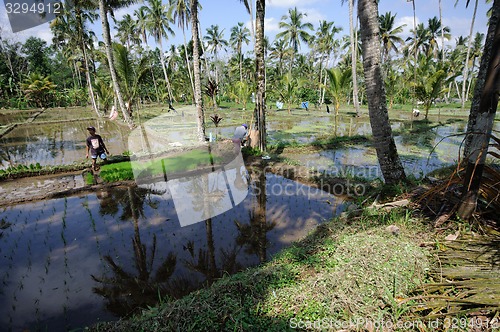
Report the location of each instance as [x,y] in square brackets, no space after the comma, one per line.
[302,63]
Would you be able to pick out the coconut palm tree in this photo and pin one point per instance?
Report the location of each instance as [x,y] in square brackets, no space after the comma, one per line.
[260,64]
[325,44]
[182,15]
[70,26]
[432,79]
[239,35]
[159,17]
[476,51]
[469,47]
[141,24]
[196,71]
[389,35]
[435,30]
[216,42]
[294,31]
[482,114]
[340,81]
[387,154]
[104,9]
[280,51]
[419,41]
[353,42]
[127,31]
[130,74]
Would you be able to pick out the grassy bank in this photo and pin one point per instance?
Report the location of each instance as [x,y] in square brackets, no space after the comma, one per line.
[350,270]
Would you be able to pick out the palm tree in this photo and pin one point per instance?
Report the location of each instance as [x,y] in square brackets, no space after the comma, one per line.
[141,24]
[325,44]
[260,68]
[389,35]
[129,74]
[159,17]
[419,42]
[239,35]
[435,30]
[482,115]
[127,31]
[280,51]
[196,71]
[475,54]
[431,81]
[215,40]
[70,28]
[288,90]
[354,60]
[387,154]
[182,15]
[339,83]
[294,31]
[469,47]
[104,9]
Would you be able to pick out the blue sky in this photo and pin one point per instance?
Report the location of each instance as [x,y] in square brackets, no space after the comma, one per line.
[227,13]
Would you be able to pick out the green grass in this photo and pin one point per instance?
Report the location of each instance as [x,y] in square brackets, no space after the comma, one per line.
[339,273]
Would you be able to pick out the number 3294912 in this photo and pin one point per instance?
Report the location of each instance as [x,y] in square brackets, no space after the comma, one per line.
[35,8]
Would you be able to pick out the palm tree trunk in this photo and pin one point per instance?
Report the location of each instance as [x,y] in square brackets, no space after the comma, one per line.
[466,66]
[442,31]
[241,63]
[155,85]
[109,54]
[387,154]
[260,97]
[482,115]
[82,45]
[353,59]
[162,60]
[187,61]
[198,100]
[200,38]
[89,81]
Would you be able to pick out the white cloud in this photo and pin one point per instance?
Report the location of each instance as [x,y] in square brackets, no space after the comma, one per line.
[313,16]
[123,11]
[271,24]
[408,20]
[290,3]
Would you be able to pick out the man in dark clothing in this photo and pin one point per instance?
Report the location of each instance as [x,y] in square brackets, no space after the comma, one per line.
[96,147]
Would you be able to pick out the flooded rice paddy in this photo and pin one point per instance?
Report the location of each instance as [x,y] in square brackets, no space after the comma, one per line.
[108,252]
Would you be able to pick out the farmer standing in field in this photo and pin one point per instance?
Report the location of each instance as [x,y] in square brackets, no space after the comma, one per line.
[96,147]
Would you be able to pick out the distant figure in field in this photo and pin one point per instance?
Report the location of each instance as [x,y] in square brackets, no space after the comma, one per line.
[96,147]
[327,109]
[240,135]
[416,112]
[171,107]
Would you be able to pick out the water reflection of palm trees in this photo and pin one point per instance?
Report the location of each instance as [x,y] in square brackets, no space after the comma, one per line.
[126,291]
[253,235]
[111,199]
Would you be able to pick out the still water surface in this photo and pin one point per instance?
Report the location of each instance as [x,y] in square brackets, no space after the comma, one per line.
[75,261]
